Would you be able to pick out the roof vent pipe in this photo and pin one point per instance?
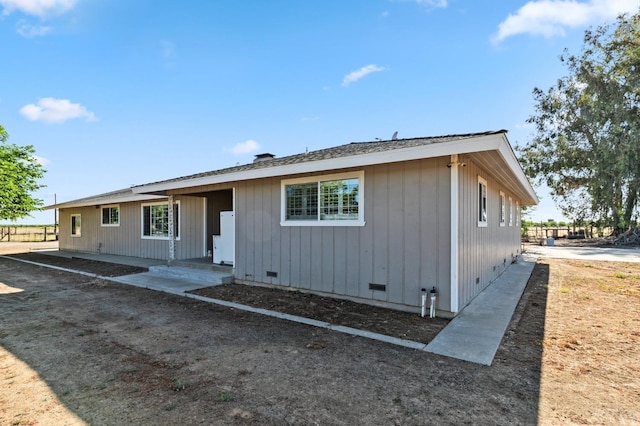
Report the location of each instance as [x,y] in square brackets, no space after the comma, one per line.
[263,157]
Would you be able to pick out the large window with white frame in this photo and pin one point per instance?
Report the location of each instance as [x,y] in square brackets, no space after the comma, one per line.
[482,202]
[155,220]
[76,228]
[330,200]
[502,209]
[111,215]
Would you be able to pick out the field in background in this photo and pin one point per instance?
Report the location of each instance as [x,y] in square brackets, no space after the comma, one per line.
[28,233]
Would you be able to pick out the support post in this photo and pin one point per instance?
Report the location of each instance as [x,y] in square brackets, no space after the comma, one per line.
[454,232]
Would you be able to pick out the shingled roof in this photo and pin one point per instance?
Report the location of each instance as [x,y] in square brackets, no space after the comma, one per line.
[355,154]
[341,151]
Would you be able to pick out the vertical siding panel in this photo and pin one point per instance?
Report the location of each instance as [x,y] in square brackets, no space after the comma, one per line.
[306,257]
[266,231]
[396,255]
[296,256]
[411,234]
[274,230]
[354,252]
[380,230]
[251,271]
[365,253]
[340,260]
[328,256]
[286,254]
[316,260]
[443,238]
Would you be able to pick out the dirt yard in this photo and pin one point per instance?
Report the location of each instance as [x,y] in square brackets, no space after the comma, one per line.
[80,350]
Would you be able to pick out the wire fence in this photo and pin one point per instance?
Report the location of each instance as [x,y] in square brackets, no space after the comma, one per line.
[28,233]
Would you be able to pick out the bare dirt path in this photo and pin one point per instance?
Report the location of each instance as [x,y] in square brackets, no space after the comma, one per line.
[76,350]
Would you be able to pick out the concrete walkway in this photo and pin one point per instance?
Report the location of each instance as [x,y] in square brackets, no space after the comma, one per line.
[607,254]
[476,332]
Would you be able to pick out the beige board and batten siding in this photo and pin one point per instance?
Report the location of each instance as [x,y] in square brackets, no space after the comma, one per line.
[126,239]
[404,245]
[484,252]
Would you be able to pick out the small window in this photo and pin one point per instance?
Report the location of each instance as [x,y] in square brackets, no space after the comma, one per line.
[75,225]
[334,200]
[517,213]
[510,211]
[111,216]
[155,220]
[482,202]
[502,209]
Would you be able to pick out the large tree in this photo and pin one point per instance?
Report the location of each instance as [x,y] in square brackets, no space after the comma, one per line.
[586,145]
[19,174]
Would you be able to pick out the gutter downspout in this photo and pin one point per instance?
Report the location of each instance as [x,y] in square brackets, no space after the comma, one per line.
[453,165]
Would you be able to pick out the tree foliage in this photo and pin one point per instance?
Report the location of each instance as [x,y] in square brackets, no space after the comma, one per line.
[586,145]
[19,174]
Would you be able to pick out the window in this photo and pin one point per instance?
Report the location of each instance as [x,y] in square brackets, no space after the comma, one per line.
[111,216]
[517,213]
[482,202]
[75,225]
[502,209]
[334,200]
[155,220]
[510,211]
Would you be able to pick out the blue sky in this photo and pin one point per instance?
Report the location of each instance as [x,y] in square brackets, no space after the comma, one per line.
[113,93]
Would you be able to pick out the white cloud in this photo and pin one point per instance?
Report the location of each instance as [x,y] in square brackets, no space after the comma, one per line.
[39,8]
[550,18]
[354,76]
[29,31]
[52,110]
[245,147]
[433,3]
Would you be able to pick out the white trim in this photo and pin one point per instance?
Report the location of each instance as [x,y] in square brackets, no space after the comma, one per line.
[151,237]
[109,225]
[115,200]
[78,234]
[502,211]
[482,223]
[313,179]
[455,202]
[467,145]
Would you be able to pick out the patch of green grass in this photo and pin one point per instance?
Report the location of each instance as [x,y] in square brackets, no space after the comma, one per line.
[225,397]
[178,385]
[621,275]
[565,290]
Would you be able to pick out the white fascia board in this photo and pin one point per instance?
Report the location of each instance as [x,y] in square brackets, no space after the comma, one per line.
[509,157]
[482,143]
[105,201]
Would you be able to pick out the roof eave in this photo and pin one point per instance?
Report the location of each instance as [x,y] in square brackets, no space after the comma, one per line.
[103,201]
[460,146]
